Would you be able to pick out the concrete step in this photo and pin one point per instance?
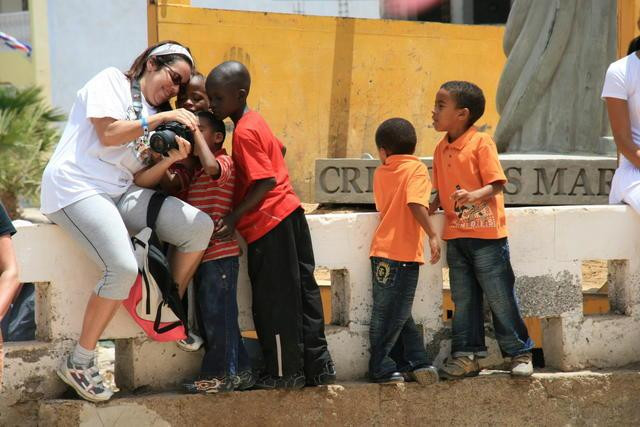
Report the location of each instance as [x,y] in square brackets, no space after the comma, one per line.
[548,398]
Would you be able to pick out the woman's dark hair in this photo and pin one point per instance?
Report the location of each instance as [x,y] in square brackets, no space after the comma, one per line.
[139,65]
[634,46]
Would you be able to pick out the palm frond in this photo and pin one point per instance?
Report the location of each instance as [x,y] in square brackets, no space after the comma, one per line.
[27,136]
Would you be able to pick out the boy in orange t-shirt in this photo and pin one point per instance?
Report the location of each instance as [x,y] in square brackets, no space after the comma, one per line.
[401,190]
[469,180]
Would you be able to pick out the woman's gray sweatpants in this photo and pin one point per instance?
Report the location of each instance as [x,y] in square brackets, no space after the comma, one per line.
[102,226]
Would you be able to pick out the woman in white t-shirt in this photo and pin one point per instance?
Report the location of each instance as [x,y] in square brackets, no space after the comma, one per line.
[621,92]
[87,189]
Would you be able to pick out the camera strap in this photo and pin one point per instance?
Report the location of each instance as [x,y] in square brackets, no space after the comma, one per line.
[136,99]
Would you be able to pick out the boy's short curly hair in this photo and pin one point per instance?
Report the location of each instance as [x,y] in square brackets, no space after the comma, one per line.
[397,136]
[217,124]
[467,95]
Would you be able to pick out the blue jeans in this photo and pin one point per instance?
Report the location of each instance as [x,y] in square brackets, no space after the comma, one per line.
[396,342]
[477,267]
[216,285]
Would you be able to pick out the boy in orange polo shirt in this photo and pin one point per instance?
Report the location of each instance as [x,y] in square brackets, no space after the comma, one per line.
[469,180]
[401,190]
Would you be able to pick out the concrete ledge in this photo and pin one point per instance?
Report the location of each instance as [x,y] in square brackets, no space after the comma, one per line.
[581,398]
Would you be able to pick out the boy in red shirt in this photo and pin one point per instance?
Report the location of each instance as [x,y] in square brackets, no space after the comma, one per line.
[287,310]
[469,179]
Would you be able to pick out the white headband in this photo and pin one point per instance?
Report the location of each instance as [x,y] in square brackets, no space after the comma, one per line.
[171,49]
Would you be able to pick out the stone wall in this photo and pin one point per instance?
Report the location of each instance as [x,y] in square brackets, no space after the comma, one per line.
[548,245]
[533,179]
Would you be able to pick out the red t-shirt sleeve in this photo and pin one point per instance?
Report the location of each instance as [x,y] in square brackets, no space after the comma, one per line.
[250,150]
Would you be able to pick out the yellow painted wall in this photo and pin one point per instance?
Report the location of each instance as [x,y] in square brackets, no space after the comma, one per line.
[16,69]
[324,84]
[628,23]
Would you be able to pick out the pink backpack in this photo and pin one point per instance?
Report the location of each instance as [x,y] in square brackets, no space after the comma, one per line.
[154,302]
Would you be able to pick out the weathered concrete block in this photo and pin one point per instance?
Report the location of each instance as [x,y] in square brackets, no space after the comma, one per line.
[353,294]
[595,232]
[50,258]
[29,376]
[142,362]
[349,347]
[574,342]
[548,289]
[534,179]
[531,231]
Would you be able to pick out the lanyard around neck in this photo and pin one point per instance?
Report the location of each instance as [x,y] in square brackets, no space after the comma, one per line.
[136,97]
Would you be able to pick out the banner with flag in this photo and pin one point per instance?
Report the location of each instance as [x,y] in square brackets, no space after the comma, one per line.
[14,43]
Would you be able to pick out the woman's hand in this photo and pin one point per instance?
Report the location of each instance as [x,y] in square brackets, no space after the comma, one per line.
[112,132]
[182,116]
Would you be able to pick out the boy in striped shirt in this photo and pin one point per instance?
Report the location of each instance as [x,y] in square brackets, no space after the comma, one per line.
[225,365]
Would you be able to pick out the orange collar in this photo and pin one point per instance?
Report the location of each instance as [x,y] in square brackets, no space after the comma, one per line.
[397,158]
[462,140]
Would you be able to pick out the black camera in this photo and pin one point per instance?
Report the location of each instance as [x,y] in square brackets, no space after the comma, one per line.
[164,138]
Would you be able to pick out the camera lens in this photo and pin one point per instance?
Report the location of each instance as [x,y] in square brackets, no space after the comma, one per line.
[162,141]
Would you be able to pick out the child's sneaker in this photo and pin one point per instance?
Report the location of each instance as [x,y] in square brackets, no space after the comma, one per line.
[269,382]
[460,367]
[244,380]
[326,376]
[85,380]
[210,385]
[392,378]
[191,343]
[522,365]
[425,375]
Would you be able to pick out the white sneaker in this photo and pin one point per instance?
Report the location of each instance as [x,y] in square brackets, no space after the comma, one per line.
[86,381]
[191,343]
[522,365]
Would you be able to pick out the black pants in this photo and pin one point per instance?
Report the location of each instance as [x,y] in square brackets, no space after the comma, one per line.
[287,310]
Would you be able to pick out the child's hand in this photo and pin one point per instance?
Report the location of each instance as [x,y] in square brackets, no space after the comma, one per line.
[464,197]
[434,245]
[225,228]
[184,148]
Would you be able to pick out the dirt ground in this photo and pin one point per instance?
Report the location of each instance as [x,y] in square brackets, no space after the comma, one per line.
[594,276]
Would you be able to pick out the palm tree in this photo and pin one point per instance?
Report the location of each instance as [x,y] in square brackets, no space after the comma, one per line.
[27,135]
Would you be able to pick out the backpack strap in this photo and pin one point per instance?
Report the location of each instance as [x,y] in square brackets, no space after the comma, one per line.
[157,199]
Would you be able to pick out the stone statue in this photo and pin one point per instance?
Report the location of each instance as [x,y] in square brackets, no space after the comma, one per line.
[548,97]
